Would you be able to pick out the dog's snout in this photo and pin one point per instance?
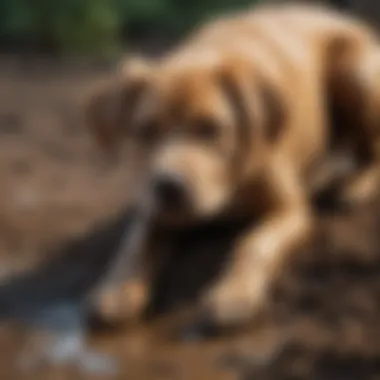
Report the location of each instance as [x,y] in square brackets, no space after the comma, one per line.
[169,190]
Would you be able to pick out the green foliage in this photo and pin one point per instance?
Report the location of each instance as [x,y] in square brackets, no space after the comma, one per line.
[97,26]
[86,26]
[69,26]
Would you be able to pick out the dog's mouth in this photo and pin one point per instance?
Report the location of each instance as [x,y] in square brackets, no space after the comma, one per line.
[172,200]
[174,214]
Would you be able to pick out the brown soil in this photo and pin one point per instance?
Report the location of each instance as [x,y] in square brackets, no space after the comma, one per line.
[323,319]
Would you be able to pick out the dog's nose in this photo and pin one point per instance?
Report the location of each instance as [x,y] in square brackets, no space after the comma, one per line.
[169,190]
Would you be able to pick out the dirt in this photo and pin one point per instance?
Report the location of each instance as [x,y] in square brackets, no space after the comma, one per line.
[63,211]
[54,184]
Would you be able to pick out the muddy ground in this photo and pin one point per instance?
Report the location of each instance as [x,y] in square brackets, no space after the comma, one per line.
[63,211]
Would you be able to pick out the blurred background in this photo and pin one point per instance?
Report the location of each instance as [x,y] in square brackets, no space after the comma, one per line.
[99,27]
[59,199]
[104,28]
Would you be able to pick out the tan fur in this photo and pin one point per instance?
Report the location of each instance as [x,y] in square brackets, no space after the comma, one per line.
[240,112]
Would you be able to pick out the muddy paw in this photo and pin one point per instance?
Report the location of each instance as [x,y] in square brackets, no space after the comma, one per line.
[120,304]
[233,305]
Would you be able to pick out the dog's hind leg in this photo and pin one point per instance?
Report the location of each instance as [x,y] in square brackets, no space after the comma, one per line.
[365,185]
[357,97]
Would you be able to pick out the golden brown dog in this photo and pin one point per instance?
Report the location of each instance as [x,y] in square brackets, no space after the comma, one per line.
[235,123]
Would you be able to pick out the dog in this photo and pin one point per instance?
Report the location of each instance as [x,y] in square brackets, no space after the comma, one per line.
[236,123]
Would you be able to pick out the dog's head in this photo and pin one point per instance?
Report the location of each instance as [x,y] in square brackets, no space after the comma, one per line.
[205,130]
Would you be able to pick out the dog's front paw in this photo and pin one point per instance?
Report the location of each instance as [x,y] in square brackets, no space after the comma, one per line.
[119,304]
[234,303]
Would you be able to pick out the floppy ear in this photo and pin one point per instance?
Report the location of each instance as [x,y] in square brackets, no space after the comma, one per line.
[275,111]
[108,110]
[257,103]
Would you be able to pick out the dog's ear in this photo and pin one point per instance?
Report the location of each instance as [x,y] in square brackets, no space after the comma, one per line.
[108,110]
[259,108]
[274,110]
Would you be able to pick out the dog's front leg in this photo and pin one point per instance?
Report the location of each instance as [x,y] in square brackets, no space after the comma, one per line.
[257,258]
[124,292]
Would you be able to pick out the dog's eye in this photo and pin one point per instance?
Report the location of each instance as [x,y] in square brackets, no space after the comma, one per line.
[148,132]
[207,129]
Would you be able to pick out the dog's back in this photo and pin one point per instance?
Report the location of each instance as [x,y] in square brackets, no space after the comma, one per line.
[307,53]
